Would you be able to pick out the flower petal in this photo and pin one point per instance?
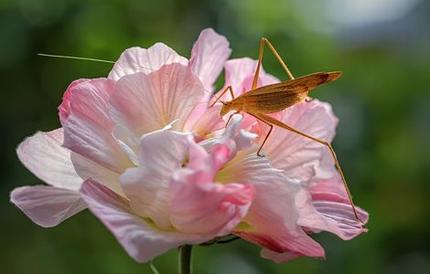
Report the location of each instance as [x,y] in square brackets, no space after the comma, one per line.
[239,74]
[44,156]
[88,169]
[144,103]
[205,207]
[47,206]
[161,152]
[272,218]
[327,210]
[138,238]
[279,257]
[64,108]
[232,136]
[299,157]
[138,59]
[344,223]
[203,120]
[208,56]
[87,125]
[198,205]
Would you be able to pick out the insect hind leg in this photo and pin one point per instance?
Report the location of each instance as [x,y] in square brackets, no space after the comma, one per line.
[265,140]
[271,121]
[265,42]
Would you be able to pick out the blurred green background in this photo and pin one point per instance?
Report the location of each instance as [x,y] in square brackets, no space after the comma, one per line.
[382,46]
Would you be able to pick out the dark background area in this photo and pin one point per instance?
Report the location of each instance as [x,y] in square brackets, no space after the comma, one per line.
[382,100]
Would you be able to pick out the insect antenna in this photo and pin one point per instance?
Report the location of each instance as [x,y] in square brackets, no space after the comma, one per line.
[79,58]
[76,58]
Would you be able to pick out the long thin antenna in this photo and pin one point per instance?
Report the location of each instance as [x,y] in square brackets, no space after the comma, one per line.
[76,58]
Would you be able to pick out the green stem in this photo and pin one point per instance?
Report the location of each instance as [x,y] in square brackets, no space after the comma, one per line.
[185,259]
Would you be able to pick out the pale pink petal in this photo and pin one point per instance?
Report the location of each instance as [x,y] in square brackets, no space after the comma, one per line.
[202,206]
[264,79]
[340,215]
[198,158]
[88,169]
[239,74]
[161,152]
[274,224]
[205,121]
[144,103]
[281,245]
[64,108]
[236,71]
[138,59]
[88,98]
[333,186]
[87,125]
[44,156]
[47,206]
[198,205]
[279,257]
[328,211]
[208,56]
[222,153]
[134,233]
[272,218]
[301,158]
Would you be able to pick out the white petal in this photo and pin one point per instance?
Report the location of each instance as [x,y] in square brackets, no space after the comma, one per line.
[161,152]
[88,169]
[47,206]
[230,133]
[137,59]
[44,156]
[128,141]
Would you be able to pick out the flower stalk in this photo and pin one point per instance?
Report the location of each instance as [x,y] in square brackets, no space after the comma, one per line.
[184,259]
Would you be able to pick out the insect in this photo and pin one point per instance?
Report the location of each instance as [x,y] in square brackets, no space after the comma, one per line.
[261,101]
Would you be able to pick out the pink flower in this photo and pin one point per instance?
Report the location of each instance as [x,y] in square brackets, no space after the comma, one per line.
[145,154]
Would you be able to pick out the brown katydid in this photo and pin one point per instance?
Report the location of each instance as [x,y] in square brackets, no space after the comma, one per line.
[261,101]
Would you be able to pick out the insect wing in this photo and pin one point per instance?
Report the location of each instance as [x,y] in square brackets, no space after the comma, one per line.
[298,85]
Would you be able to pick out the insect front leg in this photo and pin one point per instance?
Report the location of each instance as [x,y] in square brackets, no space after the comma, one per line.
[229,118]
[264,41]
[229,88]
